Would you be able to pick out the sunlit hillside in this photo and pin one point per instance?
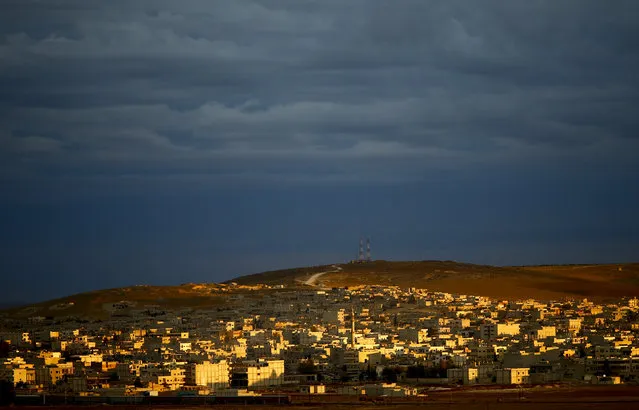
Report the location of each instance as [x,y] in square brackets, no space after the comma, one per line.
[597,282]
[540,282]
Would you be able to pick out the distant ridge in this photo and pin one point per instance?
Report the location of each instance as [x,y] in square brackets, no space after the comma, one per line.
[538,282]
[547,282]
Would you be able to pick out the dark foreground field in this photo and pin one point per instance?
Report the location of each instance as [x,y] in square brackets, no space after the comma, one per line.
[564,398]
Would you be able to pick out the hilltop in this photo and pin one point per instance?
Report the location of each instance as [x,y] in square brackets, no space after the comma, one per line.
[597,282]
[519,282]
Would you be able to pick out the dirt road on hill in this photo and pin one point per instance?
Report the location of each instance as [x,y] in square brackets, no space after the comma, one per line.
[313,279]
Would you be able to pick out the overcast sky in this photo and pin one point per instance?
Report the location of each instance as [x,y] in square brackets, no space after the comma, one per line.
[166,142]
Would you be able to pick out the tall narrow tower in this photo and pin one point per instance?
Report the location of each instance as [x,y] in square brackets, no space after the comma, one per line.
[352,327]
[360,255]
[368,249]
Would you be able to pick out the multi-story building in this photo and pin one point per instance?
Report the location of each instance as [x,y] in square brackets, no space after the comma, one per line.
[256,374]
[334,316]
[17,375]
[512,376]
[51,375]
[171,378]
[413,335]
[493,330]
[574,325]
[212,375]
[466,375]
[543,332]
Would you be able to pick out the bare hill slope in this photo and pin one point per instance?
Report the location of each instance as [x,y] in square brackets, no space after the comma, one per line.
[539,282]
[598,282]
[128,300]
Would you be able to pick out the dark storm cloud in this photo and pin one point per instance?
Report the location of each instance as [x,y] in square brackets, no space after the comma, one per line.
[175,141]
[114,87]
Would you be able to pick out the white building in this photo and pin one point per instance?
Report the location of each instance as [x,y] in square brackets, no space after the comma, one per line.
[262,373]
[212,375]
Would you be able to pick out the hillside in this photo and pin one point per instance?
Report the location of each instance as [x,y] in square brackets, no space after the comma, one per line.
[280,277]
[539,282]
[133,300]
[597,282]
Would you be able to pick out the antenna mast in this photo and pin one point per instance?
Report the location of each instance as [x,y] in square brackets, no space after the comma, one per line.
[352,327]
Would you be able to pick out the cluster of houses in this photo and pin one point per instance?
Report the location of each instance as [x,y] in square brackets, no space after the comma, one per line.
[373,340]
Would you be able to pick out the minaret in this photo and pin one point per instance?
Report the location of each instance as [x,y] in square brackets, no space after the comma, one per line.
[352,327]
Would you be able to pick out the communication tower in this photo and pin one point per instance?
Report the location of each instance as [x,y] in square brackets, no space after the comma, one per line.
[364,255]
[352,327]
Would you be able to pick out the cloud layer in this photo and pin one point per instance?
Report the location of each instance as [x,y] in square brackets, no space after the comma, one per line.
[194,140]
[314,90]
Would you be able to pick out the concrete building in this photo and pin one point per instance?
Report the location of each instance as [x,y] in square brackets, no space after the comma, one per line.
[173,379]
[212,375]
[18,375]
[50,375]
[512,376]
[494,330]
[413,335]
[466,375]
[261,373]
[388,390]
[334,316]
[313,389]
[543,332]
[574,325]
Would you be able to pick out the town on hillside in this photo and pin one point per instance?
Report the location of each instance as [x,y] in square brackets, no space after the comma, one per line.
[367,341]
